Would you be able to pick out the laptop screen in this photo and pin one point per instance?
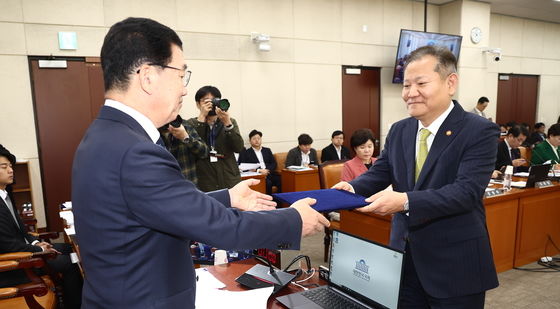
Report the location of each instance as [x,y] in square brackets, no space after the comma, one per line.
[365,269]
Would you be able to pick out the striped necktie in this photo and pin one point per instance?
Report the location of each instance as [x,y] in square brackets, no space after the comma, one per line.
[422,151]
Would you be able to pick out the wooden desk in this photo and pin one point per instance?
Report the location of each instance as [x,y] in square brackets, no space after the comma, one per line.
[294,181]
[228,272]
[261,187]
[519,223]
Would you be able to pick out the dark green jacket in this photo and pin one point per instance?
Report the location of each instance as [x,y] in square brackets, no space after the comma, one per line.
[224,173]
[544,152]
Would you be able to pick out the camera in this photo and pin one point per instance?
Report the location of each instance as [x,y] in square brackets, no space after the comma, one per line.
[177,122]
[223,104]
[497,52]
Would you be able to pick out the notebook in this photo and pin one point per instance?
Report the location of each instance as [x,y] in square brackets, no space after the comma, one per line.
[362,272]
[327,199]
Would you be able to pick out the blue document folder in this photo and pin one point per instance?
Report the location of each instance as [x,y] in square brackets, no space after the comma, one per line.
[327,199]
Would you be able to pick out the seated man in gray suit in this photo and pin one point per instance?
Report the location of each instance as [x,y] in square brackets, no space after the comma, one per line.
[303,154]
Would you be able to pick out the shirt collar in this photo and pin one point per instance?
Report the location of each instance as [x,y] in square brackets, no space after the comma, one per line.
[3,194]
[434,126]
[144,121]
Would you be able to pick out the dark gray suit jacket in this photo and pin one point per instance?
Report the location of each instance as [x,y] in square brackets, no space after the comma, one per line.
[294,157]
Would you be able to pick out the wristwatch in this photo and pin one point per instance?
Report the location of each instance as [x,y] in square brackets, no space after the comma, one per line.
[186,139]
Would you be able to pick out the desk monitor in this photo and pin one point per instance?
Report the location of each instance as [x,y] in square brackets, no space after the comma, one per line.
[537,173]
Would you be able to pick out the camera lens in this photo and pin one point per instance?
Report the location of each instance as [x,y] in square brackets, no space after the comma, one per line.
[223,104]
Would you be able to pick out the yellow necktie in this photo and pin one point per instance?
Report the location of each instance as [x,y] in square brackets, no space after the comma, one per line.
[422,151]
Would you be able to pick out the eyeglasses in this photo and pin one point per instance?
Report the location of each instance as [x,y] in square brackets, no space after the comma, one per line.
[186,76]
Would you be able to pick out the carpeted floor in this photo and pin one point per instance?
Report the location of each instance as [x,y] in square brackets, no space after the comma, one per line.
[518,289]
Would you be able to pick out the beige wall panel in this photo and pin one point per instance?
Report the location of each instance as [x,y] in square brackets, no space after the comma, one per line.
[531,66]
[511,36]
[37,186]
[65,12]
[11,10]
[533,38]
[368,55]
[272,17]
[548,107]
[551,41]
[418,17]
[473,57]
[268,100]
[359,13]
[509,65]
[393,108]
[317,19]
[163,11]
[450,18]
[397,15]
[17,117]
[550,67]
[12,39]
[318,102]
[306,51]
[491,92]
[210,46]
[43,40]
[494,35]
[219,16]
[472,85]
[225,75]
[475,14]
[282,50]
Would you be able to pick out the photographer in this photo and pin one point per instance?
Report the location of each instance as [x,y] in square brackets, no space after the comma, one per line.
[221,134]
[184,143]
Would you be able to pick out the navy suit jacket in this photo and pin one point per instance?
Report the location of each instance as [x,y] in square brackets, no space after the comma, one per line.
[135,215]
[249,156]
[446,227]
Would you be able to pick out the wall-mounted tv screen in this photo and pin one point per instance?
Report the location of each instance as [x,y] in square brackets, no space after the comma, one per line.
[411,40]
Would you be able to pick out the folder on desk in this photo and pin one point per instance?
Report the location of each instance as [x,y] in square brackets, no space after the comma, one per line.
[327,199]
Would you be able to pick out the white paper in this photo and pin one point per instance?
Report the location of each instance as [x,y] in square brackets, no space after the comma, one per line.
[248,166]
[299,168]
[208,295]
[247,174]
[518,184]
[521,174]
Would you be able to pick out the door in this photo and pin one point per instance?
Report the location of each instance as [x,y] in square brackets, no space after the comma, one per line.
[361,102]
[517,98]
[66,100]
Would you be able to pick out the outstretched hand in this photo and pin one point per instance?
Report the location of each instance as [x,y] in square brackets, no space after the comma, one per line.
[244,198]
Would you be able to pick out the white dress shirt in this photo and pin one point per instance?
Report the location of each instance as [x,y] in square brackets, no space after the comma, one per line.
[305,158]
[259,157]
[144,121]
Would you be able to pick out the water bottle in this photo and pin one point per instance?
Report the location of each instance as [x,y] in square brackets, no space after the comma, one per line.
[507,178]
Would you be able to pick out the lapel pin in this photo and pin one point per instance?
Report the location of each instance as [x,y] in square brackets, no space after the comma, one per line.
[448,133]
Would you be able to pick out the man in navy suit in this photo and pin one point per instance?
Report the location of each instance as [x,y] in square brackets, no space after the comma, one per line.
[439,162]
[262,155]
[135,214]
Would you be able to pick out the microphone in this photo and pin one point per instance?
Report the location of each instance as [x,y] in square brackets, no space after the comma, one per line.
[260,276]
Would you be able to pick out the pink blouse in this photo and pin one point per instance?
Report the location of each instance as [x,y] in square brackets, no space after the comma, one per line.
[354,168]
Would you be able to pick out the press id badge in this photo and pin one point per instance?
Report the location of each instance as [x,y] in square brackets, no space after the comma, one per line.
[213,156]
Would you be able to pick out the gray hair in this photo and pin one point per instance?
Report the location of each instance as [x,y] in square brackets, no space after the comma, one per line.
[446,61]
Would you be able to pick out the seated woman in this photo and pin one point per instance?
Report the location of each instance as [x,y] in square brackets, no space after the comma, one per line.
[548,150]
[362,143]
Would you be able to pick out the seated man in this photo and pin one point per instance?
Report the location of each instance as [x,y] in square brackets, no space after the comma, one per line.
[303,154]
[538,136]
[262,155]
[14,238]
[549,150]
[335,151]
[508,149]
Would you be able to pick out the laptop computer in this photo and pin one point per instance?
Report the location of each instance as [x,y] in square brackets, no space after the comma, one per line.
[363,274]
[537,173]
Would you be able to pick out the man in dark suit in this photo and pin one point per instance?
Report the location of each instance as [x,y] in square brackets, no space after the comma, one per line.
[538,136]
[15,238]
[262,155]
[135,214]
[303,154]
[335,151]
[508,150]
[438,162]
